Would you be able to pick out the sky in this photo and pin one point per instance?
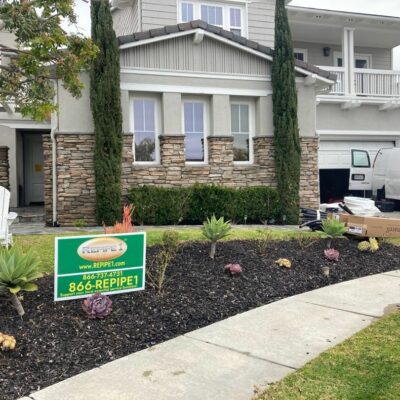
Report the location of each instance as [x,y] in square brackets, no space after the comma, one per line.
[381,7]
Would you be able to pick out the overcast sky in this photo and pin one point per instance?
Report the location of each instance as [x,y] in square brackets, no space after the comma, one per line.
[381,7]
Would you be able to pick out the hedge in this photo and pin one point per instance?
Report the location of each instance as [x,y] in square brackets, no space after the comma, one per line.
[192,205]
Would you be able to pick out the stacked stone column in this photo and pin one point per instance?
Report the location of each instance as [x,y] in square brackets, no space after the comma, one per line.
[4,168]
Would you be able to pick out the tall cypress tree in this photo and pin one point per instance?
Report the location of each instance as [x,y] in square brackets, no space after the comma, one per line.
[286,131]
[105,99]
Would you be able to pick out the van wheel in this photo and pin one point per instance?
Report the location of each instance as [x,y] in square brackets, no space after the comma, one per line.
[380,194]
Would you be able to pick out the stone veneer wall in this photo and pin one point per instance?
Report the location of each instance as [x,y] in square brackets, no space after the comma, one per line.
[75,176]
[4,168]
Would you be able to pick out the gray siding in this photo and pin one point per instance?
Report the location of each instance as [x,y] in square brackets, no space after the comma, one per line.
[181,54]
[261,25]
[381,58]
[156,13]
[126,20]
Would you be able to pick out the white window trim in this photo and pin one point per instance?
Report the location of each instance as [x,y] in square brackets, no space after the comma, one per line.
[157,115]
[252,124]
[242,5]
[304,51]
[357,56]
[206,124]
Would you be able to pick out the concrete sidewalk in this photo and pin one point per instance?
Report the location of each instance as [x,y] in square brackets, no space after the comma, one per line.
[227,360]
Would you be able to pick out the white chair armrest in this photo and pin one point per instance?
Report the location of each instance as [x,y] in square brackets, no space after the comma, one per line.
[11,217]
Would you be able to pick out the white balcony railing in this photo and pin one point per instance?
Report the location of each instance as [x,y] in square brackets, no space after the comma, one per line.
[368,82]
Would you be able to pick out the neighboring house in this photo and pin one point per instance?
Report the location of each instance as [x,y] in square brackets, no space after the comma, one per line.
[196,99]
[362,110]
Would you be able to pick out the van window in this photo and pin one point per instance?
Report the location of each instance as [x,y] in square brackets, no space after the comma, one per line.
[360,159]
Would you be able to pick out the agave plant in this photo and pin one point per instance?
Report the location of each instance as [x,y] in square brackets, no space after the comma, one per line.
[18,270]
[333,229]
[97,306]
[215,229]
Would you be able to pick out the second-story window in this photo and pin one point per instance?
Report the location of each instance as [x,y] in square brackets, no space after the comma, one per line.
[187,12]
[231,17]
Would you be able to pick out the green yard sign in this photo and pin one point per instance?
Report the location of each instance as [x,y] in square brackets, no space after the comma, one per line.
[108,264]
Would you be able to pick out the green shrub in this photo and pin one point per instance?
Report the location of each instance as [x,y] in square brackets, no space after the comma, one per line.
[17,273]
[169,206]
[333,229]
[215,229]
[170,241]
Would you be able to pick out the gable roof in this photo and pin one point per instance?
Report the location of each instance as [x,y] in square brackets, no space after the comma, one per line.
[302,67]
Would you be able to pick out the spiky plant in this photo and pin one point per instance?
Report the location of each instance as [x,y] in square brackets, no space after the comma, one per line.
[18,271]
[333,229]
[97,306]
[215,229]
[126,225]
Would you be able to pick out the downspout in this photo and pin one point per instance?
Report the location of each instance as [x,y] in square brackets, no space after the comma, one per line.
[54,128]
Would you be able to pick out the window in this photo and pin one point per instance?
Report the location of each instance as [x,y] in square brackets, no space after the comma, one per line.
[212,14]
[145,129]
[241,132]
[360,60]
[187,12]
[360,159]
[194,127]
[231,17]
[236,21]
[300,54]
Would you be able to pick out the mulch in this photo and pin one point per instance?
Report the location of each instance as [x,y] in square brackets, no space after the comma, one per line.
[56,340]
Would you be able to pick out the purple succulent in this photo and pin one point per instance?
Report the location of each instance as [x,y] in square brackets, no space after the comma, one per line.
[233,269]
[97,306]
[332,254]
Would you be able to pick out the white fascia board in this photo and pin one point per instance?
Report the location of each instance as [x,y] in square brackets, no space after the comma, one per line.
[341,134]
[185,74]
[338,99]
[144,87]
[220,39]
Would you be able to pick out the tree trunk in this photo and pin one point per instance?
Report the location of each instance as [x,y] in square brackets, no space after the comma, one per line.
[17,305]
[213,248]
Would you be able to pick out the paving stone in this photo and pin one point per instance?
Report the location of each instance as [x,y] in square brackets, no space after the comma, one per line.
[369,295]
[182,368]
[287,332]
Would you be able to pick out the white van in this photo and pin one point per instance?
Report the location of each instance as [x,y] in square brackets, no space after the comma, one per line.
[382,177]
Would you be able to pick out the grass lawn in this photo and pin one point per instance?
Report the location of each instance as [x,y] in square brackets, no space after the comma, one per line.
[365,367]
[44,244]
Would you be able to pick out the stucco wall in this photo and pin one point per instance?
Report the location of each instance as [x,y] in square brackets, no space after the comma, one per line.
[75,114]
[365,118]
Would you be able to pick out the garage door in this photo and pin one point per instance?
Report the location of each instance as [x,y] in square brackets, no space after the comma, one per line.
[337,155]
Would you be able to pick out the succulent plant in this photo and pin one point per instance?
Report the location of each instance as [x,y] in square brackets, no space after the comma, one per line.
[332,254]
[374,245]
[233,269]
[7,342]
[364,246]
[97,306]
[215,229]
[284,262]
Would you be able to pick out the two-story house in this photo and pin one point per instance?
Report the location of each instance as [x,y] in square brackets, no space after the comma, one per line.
[362,110]
[196,98]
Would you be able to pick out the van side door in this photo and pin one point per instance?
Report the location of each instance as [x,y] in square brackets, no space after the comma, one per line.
[360,171]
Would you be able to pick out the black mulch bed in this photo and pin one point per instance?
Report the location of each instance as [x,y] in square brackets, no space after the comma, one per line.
[56,341]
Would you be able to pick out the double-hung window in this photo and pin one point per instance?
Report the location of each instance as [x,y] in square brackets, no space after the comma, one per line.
[187,11]
[241,125]
[231,17]
[194,113]
[145,123]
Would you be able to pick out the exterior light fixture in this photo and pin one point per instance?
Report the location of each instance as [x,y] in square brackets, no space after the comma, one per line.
[327,51]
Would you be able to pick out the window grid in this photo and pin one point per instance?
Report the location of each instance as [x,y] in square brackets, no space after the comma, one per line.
[187,12]
[194,127]
[144,122]
[241,132]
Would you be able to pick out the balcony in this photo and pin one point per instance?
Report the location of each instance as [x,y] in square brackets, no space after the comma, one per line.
[371,83]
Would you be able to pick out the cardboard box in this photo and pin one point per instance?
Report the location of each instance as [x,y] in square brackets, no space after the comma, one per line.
[371,226]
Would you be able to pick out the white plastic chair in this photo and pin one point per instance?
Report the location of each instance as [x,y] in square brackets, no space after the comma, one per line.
[6,218]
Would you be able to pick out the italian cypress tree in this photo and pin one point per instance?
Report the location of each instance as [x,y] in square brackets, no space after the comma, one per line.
[107,116]
[286,131]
